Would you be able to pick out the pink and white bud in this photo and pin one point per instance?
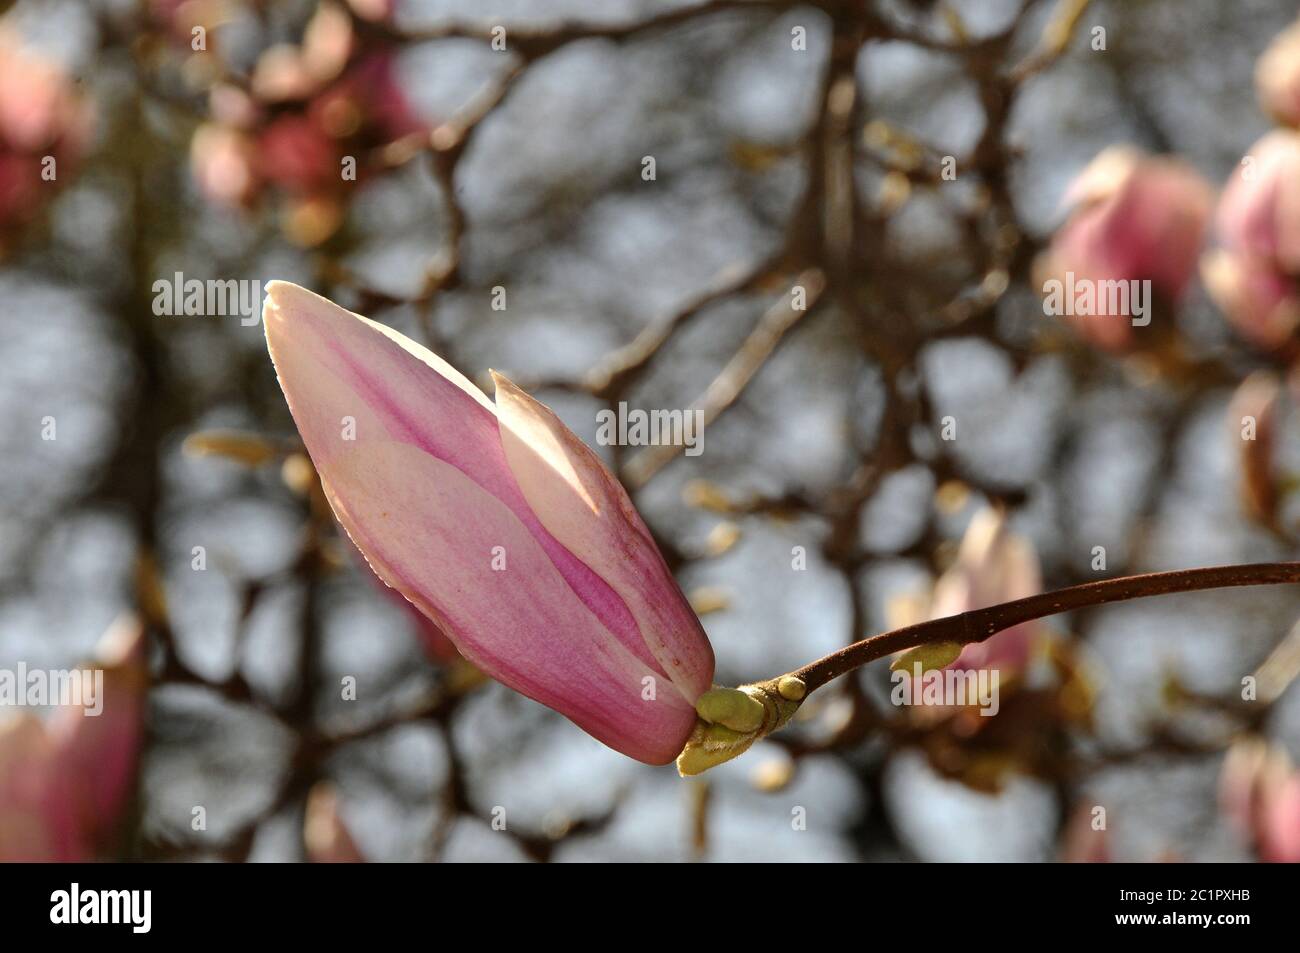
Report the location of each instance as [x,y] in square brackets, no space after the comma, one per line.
[42,117]
[497,523]
[1259,792]
[1132,217]
[64,783]
[1252,274]
[993,566]
[325,835]
[1277,77]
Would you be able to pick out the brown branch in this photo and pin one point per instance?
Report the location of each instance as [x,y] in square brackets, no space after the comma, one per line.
[979,624]
[739,371]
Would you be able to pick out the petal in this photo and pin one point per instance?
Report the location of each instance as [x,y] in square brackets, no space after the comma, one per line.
[98,752]
[333,365]
[37,824]
[430,532]
[584,506]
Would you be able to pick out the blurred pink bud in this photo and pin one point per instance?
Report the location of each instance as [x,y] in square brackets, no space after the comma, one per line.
[373,10]
[368,98]
[42,116]
[1082,842]
[326,837]
[36,818]
[993,566]
[294,153]
[1133,217]
[223,161]
[20,187]
[1259,791]
[1259,213]
[65,783]
[1262,303]
[1277,77]
[1252,274]
[40,107]
[497,523]
[102,751]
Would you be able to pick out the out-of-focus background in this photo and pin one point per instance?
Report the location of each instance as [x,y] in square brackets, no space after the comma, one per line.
[612,201]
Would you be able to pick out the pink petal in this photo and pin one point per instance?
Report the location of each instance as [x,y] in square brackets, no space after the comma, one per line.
[584,506]
[430,531]
[334,364]
[98,754]
[37,821]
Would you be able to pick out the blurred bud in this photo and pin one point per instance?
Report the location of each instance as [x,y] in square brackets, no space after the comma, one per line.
[98,755]
[1259,792]
[1259,213]
[707,599]
[325,836]
[368,97]
[42,115]
[64,784]
[773,775]
[1261,303]
[1277,77]
[993,566]
[298,474]
[1083,842]
[1252,419]
[373,10]
[223,163]
[248,449]
[294,153]
[1133,218]
[706,496]
[1252,274]
[721,538]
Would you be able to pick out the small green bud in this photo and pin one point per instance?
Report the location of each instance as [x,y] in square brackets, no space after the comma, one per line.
[791,688]
[932,656]
[710,746]
[731,707]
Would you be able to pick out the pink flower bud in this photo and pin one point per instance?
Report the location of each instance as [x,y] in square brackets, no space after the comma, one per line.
[296,154]
[64,784]
[42,116]
[326,837]
[1133,218]
[1259,791]
[1259,213]
[1277,77]
[98,754]
[993,566]
[1252,275]
[224,163]
[497,523]
[367,99]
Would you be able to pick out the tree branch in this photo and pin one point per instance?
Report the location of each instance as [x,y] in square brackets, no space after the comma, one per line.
[979,624]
